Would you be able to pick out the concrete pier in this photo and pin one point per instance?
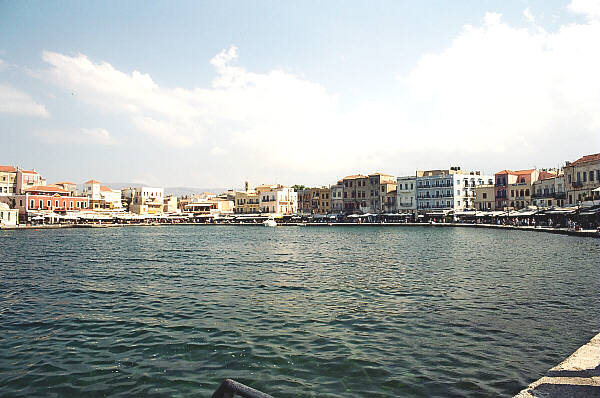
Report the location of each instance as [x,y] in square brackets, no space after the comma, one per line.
[578,376]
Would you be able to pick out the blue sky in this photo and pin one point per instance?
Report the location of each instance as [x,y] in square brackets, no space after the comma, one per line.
[214,93]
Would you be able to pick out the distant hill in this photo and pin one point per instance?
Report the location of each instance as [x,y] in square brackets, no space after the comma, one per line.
[177,191]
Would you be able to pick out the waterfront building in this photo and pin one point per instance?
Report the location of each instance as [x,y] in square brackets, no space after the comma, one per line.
[8,216]
[26,179]
[144,200]
[355,193]
[280,200]
[514,188]
[210,207]
[582,179]
[442,191]
[380,188]
[337,198]
[8,180]
[246,201]
[305,201]
[485,199]
[549,192]
[406,193]
[389,202]
[170,204]
[46,199]
[102,197]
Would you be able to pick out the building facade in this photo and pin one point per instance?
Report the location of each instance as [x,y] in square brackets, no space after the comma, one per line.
[8,216]
[144,200]
[582,177]
[46,199]
[549,192]
[337,198]
[8,180]
[441,191]
[406,193]
[280,200]
[380,187]
[355,193]
[485,197]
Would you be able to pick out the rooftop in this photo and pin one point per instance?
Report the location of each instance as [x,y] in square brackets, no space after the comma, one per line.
[92,182]
[45,188]
[585,159]
[7,169]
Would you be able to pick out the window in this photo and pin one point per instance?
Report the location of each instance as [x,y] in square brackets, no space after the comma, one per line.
[591,176]
[56,203]
[527,192]
[584,176]
[569,178]
[485,195]
[41,204]
[578,177]
[32,203]
[49,203]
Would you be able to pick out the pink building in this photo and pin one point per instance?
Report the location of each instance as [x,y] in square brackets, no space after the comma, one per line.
[42,198]
[27,179]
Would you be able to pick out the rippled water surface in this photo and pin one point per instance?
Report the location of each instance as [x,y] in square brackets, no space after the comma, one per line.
[313,311]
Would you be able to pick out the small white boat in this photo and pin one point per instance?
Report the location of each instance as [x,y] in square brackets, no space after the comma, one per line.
[269,223]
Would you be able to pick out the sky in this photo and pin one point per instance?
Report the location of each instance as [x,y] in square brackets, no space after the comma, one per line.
[211,94]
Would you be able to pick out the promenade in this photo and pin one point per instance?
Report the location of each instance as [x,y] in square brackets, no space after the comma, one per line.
[577,376]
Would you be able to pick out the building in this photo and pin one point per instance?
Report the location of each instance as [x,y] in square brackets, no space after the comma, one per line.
[102,197]
[210,207]
[170,204]
[8,180]
[46,199]
[485,197]
[305,201]
[406,193]
[355,193]
[144,200]
[280,200]
[246,201]
[442,191]
[582,177]
[514,188]
[26,179]
[549,192]
[380,187]
[389,204]
[337,198]
[8,216]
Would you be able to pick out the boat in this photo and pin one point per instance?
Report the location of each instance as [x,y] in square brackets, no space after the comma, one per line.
[269,223]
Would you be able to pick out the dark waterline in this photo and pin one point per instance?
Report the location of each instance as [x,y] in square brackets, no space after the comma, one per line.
[386,312]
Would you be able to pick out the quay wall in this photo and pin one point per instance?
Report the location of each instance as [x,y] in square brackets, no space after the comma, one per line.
[560,231]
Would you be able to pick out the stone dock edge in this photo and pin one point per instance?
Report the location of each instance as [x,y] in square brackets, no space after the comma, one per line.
[560,231]
[577,376]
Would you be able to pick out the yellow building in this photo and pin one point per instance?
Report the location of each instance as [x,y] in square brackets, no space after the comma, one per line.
[246,202]
[8,180]
[582,178]
[485,199]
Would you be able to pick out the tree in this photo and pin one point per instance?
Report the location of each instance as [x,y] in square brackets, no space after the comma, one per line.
[298,187]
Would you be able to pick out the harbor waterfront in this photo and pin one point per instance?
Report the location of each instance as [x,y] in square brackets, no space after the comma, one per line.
[370,311]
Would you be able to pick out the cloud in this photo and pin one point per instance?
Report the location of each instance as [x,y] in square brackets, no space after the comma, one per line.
[84,136]
[503,95]
[588,8]
[17,102]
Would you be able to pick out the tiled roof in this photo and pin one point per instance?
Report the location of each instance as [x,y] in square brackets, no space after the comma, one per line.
[64,183]
[92,182]
[29,171]
[45,188]
[585,159]
[104,188]
[7,169]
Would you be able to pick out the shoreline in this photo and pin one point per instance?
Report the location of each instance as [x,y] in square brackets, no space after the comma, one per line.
[559,231]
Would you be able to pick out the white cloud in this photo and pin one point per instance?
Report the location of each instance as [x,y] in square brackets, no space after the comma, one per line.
[19,103]
[91,136]
[589,8]
[496,93]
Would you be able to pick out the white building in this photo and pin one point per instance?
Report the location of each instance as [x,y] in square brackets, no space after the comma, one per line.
[407,194]
[441,191]
[279,200]
[8,216]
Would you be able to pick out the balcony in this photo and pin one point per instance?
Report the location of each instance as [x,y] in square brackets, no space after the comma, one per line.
[577,184]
